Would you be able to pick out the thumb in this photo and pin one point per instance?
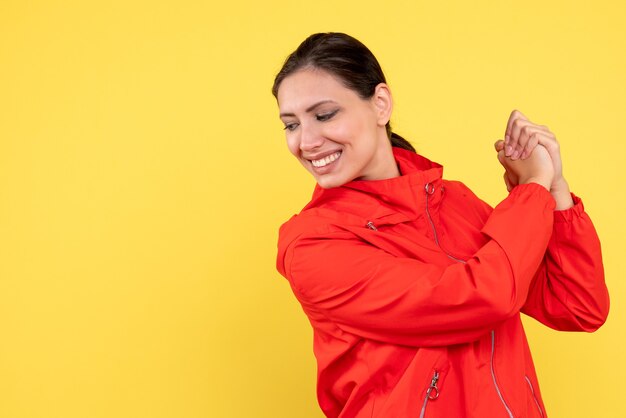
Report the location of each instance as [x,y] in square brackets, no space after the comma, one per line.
[501,157]
[499,145]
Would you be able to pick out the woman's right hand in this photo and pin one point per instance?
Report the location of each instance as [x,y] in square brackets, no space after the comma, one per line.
[535,168]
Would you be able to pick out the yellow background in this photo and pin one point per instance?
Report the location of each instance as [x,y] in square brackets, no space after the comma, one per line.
[144,175]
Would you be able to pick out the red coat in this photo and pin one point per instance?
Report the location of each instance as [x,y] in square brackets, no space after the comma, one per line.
[414,288]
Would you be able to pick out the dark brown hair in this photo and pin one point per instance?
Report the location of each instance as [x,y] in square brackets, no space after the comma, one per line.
[347,59]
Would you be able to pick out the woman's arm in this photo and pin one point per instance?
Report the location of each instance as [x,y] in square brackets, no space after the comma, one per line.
[345,282]
[569,292]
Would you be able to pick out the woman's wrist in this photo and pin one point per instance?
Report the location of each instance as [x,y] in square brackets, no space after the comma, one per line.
[561,194]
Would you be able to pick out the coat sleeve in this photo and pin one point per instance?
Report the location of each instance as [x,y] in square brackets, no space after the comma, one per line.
[367,292]
[569,292]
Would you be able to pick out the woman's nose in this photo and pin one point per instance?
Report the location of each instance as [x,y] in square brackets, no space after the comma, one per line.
[310,138]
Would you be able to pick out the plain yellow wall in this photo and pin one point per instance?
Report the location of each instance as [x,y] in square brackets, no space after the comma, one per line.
[144,175]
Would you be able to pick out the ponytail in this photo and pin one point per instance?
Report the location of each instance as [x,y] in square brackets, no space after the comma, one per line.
[397,141]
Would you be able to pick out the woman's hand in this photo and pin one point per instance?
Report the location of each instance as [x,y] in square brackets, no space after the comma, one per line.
[520,139]
[536,168]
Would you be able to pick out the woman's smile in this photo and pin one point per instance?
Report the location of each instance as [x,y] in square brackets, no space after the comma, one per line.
[325,161]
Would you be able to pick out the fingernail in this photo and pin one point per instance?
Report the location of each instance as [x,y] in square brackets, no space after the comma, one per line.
[508,150]
[515,155]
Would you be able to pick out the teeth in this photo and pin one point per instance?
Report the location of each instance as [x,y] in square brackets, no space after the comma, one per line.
[326,160]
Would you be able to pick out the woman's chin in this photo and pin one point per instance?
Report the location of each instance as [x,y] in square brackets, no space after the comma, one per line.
[329,181]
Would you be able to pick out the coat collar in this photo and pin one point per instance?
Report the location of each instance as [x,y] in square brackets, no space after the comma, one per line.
[390,201]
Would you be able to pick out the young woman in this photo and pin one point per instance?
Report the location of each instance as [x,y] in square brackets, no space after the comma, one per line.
[413,285]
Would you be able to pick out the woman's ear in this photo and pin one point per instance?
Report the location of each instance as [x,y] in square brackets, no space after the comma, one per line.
[383,102]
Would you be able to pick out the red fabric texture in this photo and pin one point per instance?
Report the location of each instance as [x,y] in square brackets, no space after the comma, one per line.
[414,282]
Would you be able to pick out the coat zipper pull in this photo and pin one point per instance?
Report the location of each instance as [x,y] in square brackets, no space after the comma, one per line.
[433,391]
[371,226]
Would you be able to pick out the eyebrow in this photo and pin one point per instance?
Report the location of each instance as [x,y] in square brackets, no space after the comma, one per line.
[310,108]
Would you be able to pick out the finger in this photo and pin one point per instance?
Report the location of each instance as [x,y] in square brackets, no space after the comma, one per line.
[499,145]
[514,126]
[519,135]
[519,130]
[517,126]
[554,150]
[532,142]
[522,132]
[501,157]
[548,140]
[512,136]
[543,128]
[515,114]
[540,137]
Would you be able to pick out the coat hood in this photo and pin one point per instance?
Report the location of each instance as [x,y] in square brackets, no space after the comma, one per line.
[383,202]
[376,199]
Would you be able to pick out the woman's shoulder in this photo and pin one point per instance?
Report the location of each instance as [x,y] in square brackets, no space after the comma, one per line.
[314,223]
[317,221]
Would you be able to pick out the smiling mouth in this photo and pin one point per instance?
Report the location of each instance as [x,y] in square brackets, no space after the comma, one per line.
[322,162]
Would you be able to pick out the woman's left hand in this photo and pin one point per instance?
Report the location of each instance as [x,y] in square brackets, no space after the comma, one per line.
[520,139]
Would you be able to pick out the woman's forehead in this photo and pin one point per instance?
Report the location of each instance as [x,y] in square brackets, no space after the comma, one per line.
[306,87]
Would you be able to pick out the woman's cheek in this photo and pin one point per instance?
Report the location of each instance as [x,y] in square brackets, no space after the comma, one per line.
[293,145]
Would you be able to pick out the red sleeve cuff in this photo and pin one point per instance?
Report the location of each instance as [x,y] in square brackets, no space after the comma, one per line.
[572,213]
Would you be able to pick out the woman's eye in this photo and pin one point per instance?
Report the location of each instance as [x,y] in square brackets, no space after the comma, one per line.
[291,126]
[326,116]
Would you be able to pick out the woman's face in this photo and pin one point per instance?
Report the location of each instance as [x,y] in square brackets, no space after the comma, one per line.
[335,134]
